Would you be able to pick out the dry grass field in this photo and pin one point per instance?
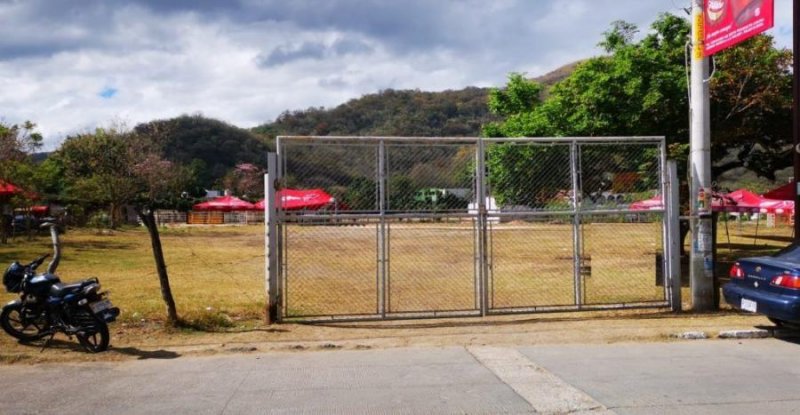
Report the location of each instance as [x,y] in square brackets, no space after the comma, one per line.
[334,270]
[217,273]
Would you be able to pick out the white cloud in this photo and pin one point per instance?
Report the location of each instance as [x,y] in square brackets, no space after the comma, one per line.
[245,64]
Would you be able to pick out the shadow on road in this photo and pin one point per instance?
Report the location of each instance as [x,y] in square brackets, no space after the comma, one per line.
[74,346]
[786,334]
[206,328]
[55,344]
[145,354]
[400,324]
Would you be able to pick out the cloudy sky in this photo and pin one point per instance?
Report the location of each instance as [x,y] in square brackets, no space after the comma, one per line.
[73,65]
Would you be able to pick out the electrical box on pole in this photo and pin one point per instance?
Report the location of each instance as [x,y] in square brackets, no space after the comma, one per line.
[701,260]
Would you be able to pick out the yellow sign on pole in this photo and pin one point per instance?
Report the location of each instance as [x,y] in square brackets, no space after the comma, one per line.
[699,36]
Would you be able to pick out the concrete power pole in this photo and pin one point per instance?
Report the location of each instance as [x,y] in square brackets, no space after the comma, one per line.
[701,262]
[796,114]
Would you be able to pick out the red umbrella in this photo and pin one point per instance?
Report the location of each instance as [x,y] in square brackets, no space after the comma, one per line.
[40,209]
[785,192]
[743,200]
[225,204]
[653,203]
[295,199]
[8,189]
[719,202]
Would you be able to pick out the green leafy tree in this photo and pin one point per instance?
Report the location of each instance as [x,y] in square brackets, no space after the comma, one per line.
[213,148]
[751,105]
[17,143]
[640,88]
[97,170]
[360,194]
[123,168]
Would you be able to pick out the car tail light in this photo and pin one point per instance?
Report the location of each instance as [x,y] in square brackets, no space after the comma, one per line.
[786,281]
[736,271]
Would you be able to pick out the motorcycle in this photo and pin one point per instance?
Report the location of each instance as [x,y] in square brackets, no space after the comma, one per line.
[46,306]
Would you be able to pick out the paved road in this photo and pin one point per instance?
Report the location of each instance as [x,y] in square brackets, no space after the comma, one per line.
[709,376]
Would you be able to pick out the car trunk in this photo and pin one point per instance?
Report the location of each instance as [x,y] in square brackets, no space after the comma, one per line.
[759,271]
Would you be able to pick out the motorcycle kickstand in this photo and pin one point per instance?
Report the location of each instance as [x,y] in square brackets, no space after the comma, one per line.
[47,342]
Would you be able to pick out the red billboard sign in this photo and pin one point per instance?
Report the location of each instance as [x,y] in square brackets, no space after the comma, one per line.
[728,22]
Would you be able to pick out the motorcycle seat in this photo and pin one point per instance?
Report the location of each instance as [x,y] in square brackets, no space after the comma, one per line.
[60,290]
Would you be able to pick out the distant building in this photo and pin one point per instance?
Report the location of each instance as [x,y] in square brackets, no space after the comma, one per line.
[212,194]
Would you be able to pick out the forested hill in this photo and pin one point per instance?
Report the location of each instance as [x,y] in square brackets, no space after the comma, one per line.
[451,113]
[391,113]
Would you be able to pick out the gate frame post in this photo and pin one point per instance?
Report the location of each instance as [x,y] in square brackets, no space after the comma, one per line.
[271,253]
[383,241]
[673,239]
[483,225]
[577,236]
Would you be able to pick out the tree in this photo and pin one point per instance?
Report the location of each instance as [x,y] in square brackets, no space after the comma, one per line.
[520,95]
[97,168]
[246,180]
[160,181]
[751,106]
[640,88]
[213,147]
[17,143]
[361,194]
[391,112]
[116,167]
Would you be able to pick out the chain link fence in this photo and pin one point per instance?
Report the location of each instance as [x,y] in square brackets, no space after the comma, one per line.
[466,226]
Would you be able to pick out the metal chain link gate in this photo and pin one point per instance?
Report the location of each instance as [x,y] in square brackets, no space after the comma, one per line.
[435,227]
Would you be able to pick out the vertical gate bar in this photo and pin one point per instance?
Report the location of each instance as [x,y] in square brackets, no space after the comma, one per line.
[379,307]
[283,247]
[278,141]
[665,191]
[675,239]
[382,270]
[483,276]
[271,238]
[283,231]
[378,291]
[490,257]
[476,260]
[477,179]
[574,148]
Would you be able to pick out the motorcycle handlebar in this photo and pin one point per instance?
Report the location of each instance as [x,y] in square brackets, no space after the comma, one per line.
[38,261]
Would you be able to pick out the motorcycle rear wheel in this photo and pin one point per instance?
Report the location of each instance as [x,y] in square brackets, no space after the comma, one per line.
[94,336]
[22,327]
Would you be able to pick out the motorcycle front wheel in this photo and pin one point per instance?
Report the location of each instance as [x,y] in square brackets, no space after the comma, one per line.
[16,321]
[93,334]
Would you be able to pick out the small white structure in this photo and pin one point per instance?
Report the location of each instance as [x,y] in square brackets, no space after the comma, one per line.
[491,208]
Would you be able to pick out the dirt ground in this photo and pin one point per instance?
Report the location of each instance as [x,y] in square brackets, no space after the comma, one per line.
[154,342]
[219,288]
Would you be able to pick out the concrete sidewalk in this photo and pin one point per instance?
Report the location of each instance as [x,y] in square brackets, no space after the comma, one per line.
[707,376]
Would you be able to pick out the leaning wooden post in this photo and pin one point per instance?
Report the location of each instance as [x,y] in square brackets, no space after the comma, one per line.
[271,239]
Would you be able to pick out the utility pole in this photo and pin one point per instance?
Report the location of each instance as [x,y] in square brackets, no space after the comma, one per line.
[796,115]
[701,262]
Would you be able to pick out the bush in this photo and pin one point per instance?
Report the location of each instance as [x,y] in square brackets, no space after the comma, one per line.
[99,220]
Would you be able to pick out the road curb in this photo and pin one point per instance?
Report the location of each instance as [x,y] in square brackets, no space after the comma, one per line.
[691,335]
[737,334]
[746,334]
